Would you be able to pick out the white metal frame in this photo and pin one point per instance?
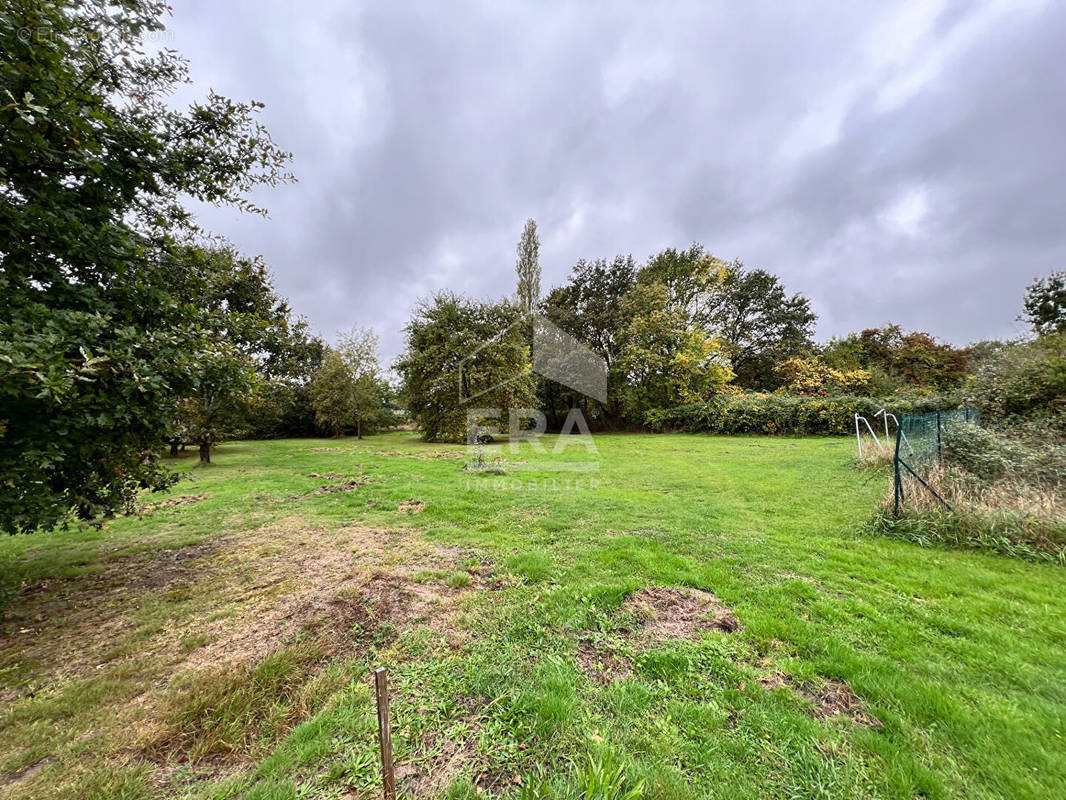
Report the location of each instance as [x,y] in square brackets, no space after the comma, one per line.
[858,434]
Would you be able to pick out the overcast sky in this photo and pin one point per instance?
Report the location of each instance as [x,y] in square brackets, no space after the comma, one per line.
[892,162]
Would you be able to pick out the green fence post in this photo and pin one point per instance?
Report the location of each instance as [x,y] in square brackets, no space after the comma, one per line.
[895,464]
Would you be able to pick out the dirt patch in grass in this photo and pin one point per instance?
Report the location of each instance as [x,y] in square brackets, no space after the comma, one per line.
[431,776]
[171,502]
[178,565]
[329,581]
[77,626]
[664,613]
[602,665]
[339,485]
[422,456]
[216,713]
[834,698]
[220,638]
[412,506]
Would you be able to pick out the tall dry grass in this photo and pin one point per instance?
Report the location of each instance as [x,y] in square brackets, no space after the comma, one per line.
[1011,515]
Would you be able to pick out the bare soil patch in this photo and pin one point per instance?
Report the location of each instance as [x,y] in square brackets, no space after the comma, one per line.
[666,613]
[171,502]
[432,455]
[834,698]
[601,664]
[177,566]
[431,775]
[337,487]
[412,506]
[329,581]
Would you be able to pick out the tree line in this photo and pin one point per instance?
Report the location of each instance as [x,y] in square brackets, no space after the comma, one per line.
[679,329]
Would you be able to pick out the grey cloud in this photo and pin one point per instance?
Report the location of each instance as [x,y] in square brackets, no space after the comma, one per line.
[890,162]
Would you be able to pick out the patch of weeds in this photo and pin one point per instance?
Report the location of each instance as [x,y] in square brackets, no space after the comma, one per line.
[222,712]
[605,779]
[672,667]
[602,777]
[429,576]
[459,580]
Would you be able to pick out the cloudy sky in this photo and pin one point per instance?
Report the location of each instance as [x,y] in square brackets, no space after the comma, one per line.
[901,162]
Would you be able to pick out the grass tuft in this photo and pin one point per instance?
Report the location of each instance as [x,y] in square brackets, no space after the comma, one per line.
[225,711]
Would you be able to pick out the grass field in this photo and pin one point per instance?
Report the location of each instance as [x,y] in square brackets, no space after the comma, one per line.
[700,617]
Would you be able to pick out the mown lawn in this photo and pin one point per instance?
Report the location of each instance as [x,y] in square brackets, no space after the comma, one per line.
[221,646]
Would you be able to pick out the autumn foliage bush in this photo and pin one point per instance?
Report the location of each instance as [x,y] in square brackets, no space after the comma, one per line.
[786,414]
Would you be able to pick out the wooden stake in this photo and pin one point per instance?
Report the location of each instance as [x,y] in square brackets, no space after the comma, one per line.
[388,778]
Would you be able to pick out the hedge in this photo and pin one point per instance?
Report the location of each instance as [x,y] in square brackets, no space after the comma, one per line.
[785,414]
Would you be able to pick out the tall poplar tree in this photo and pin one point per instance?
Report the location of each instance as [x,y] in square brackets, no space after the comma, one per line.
[528,267]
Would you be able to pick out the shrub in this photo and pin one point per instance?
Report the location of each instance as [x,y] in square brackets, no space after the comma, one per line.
[1025,379]
[785,414]
[1028,454]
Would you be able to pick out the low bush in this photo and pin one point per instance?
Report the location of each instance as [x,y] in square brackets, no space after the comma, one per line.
[1026,454]
[786,414]
[1024,380]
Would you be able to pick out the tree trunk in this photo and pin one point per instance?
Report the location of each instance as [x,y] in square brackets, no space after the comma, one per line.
[205,454]
[174,447]
[358,428]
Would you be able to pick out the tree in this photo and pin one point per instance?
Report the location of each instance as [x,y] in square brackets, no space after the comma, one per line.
[899,359]
[528,268]
[221,405]
[333,394]
[1045,304]
[268,352]
[590,307]
[359,348]
[348,389]
[95,348]
[694,281]
[759,325]
[666,360]
[463,354]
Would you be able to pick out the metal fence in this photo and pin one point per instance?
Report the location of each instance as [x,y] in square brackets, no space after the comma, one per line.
[920,448]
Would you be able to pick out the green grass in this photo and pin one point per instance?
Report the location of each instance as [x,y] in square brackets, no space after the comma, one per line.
[960,656]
